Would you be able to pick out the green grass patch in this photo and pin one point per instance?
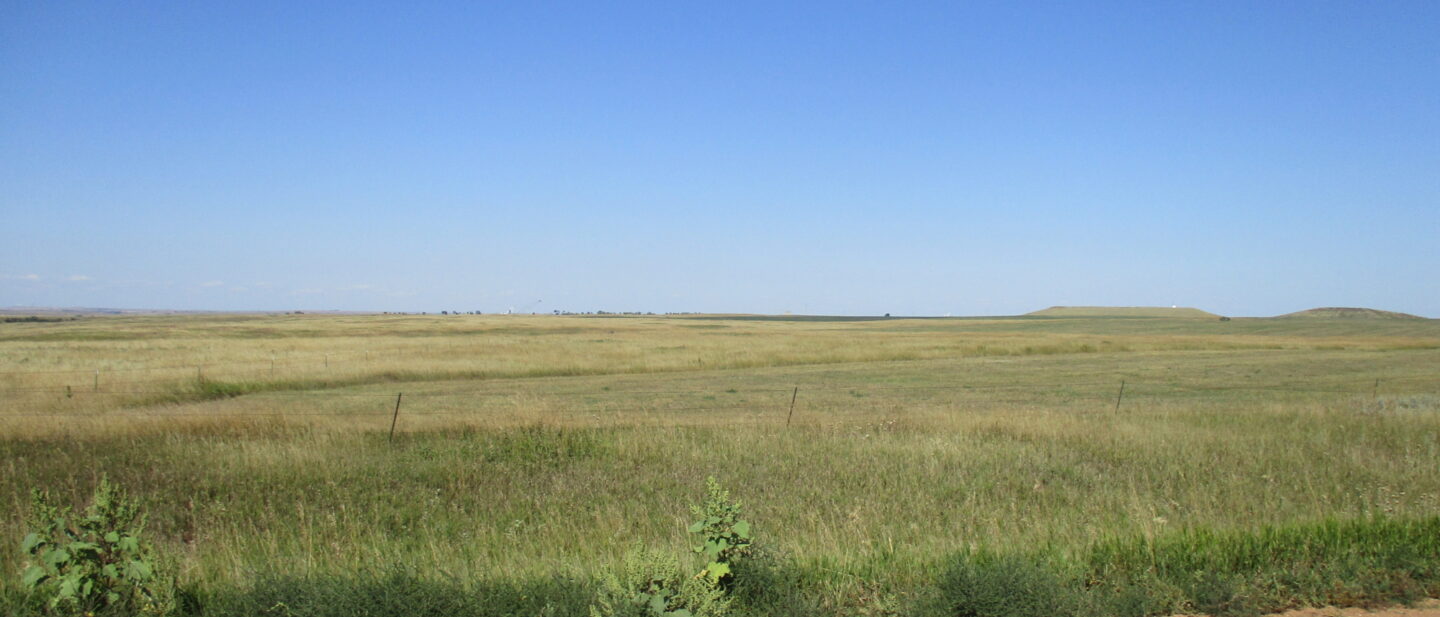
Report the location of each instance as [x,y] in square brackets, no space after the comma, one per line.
[1367,562]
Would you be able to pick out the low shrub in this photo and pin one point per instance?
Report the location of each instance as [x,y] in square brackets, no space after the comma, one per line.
[94,563]
[652,585]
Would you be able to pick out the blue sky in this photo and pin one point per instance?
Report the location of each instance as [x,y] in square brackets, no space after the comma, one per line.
[1249,158]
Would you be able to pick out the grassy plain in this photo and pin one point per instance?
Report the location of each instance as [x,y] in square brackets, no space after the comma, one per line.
[532,452]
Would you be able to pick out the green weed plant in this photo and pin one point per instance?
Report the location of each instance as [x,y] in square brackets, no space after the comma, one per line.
[724,536]
[651,584]
[95,562]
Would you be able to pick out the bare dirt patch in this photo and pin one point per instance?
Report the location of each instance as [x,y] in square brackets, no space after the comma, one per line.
[1428,608]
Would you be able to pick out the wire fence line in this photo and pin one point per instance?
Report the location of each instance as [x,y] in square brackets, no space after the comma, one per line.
[287,360]
[599,392]
[1056,387]
[98,382]
[1117,391]
[386,413]
[316,361]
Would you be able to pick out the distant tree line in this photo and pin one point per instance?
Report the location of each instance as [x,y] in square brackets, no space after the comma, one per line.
[601,313]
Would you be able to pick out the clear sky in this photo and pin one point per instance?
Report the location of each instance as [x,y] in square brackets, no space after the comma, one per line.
[1248,158]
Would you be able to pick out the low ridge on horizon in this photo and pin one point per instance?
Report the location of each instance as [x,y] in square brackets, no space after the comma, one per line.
[1346,312]
[1123,311]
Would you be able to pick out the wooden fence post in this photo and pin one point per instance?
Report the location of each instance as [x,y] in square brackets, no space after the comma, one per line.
[396,417]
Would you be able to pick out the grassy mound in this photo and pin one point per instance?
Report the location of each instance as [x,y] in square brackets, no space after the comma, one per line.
[1123,311]
[1338,312]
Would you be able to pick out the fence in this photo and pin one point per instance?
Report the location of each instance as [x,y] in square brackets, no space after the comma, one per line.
[773,403]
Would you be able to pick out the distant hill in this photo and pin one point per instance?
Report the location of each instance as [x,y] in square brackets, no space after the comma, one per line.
[1123,311]
[1340,312]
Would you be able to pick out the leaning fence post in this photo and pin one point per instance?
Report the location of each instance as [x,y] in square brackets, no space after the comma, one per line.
[1119,396]
[97,380]
[792,406]
[1375,392]
[396,417]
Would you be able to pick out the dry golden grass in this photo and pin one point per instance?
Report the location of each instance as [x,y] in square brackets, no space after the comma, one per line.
[102,364]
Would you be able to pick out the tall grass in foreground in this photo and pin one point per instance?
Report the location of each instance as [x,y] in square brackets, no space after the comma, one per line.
[480,520]
[1357,562]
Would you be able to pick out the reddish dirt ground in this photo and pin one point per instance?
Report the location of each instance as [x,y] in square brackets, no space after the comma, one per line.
[1429,608]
